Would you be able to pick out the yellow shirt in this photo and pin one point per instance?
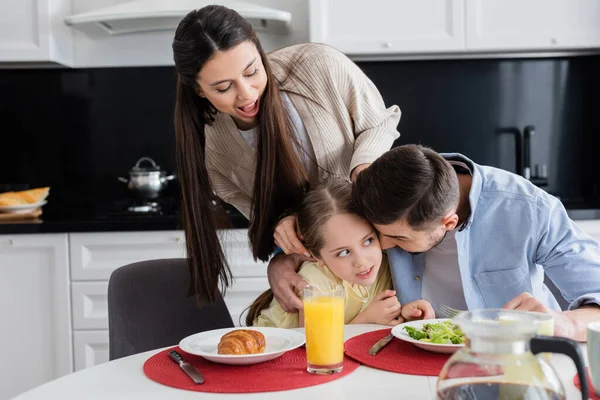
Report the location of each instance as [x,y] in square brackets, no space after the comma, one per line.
[356,297]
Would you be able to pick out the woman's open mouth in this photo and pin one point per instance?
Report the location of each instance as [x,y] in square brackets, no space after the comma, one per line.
[249,110]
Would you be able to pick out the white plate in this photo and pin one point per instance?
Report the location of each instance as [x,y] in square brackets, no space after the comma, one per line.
[401,334]
[22,208]
[278,341]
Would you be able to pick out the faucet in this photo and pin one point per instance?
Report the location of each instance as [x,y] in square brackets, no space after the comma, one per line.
[523,155]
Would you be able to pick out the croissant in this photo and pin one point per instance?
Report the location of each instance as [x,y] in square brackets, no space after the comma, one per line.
[242,341]
[23,197]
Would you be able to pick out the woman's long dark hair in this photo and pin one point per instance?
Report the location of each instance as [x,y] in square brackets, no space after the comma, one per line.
[280,178]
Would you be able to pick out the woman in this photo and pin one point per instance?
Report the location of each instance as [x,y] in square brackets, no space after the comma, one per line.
[257,130]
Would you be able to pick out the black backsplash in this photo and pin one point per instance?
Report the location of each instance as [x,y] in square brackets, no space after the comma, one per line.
[78,130]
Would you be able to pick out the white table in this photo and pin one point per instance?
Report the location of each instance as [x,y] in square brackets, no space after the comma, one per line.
[125,379]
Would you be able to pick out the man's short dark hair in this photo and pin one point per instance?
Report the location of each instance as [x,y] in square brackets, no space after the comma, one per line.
[411,183]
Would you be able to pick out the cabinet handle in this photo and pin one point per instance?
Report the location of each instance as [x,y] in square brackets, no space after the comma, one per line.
[177,238]
[11,242]
[387,45]
[553,41]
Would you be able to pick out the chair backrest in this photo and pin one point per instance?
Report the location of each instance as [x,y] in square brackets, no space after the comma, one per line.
[148,307]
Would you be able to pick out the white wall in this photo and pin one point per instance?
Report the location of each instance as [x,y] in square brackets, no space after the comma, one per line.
[155,48]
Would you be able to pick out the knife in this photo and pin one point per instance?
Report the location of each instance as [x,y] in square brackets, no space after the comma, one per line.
[381,343]
[188,368]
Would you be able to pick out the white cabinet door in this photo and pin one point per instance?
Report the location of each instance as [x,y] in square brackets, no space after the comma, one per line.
[385,27]
[35,311]
[90,305]
[95,255]
[34,31]
[90,348]
[498,25]
[241,295]
[250,277]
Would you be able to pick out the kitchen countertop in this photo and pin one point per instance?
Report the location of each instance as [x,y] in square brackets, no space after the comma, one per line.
[82,220]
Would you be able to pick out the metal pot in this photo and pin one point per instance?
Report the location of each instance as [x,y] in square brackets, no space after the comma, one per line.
[147,182]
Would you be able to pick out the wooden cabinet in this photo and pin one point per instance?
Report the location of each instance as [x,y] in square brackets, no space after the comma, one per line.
[35,311]
[388,27]
[509,25]
[33,31]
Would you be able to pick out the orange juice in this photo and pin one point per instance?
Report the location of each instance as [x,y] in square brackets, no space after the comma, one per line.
[324,325]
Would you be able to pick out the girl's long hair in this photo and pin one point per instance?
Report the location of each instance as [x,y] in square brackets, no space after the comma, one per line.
[280,178]
[332,197]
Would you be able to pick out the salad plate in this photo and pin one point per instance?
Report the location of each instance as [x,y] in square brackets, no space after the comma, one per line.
[438,335]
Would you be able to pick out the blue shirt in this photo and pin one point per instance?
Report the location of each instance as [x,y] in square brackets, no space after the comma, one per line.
[515,234]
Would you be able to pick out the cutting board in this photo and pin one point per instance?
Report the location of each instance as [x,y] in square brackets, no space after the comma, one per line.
[15,217]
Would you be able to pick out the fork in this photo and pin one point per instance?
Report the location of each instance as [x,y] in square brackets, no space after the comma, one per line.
[448,311]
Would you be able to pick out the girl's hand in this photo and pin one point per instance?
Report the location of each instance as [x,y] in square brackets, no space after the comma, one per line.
[418,309]
[287,236]
[384,309]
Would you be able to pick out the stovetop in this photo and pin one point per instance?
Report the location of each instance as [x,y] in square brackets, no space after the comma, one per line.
[131,208]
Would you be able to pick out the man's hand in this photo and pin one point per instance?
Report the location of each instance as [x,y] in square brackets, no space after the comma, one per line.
[418,309]
[285,282]
[287,236]
[384,309]
[563,323]
[357,170]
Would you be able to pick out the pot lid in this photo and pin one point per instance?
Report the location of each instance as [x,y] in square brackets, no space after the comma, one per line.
[139,168]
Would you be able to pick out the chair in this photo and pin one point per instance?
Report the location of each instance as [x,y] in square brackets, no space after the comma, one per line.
[148,307]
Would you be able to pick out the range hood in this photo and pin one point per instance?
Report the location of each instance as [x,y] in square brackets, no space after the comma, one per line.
[164,15]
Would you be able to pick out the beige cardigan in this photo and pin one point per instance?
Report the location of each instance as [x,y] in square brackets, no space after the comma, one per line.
[342,111]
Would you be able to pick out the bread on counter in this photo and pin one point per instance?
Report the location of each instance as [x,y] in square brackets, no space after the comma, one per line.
[31,196]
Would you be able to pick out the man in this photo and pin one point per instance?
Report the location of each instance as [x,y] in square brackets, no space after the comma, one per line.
[471,236]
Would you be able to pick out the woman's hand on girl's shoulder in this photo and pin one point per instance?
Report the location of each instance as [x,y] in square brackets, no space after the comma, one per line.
[287,236]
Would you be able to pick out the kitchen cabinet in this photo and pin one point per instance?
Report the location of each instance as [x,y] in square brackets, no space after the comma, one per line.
[381,27]
[94,256]
[35,312]
[33,32]
[90,348]
[509,25]
[445,28]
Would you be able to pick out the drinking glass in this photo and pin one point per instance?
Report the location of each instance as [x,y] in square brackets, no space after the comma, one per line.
[324,325]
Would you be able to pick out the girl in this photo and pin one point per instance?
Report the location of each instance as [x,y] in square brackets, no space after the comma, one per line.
[348,254]
[256,130]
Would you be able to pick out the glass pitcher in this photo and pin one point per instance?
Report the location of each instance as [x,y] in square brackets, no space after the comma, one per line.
[499,362]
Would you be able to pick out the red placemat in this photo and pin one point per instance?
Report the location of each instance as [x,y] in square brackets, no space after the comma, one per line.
[397,356]
[592,395]
[283,373]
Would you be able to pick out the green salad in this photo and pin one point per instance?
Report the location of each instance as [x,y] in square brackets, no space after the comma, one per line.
[444,332]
